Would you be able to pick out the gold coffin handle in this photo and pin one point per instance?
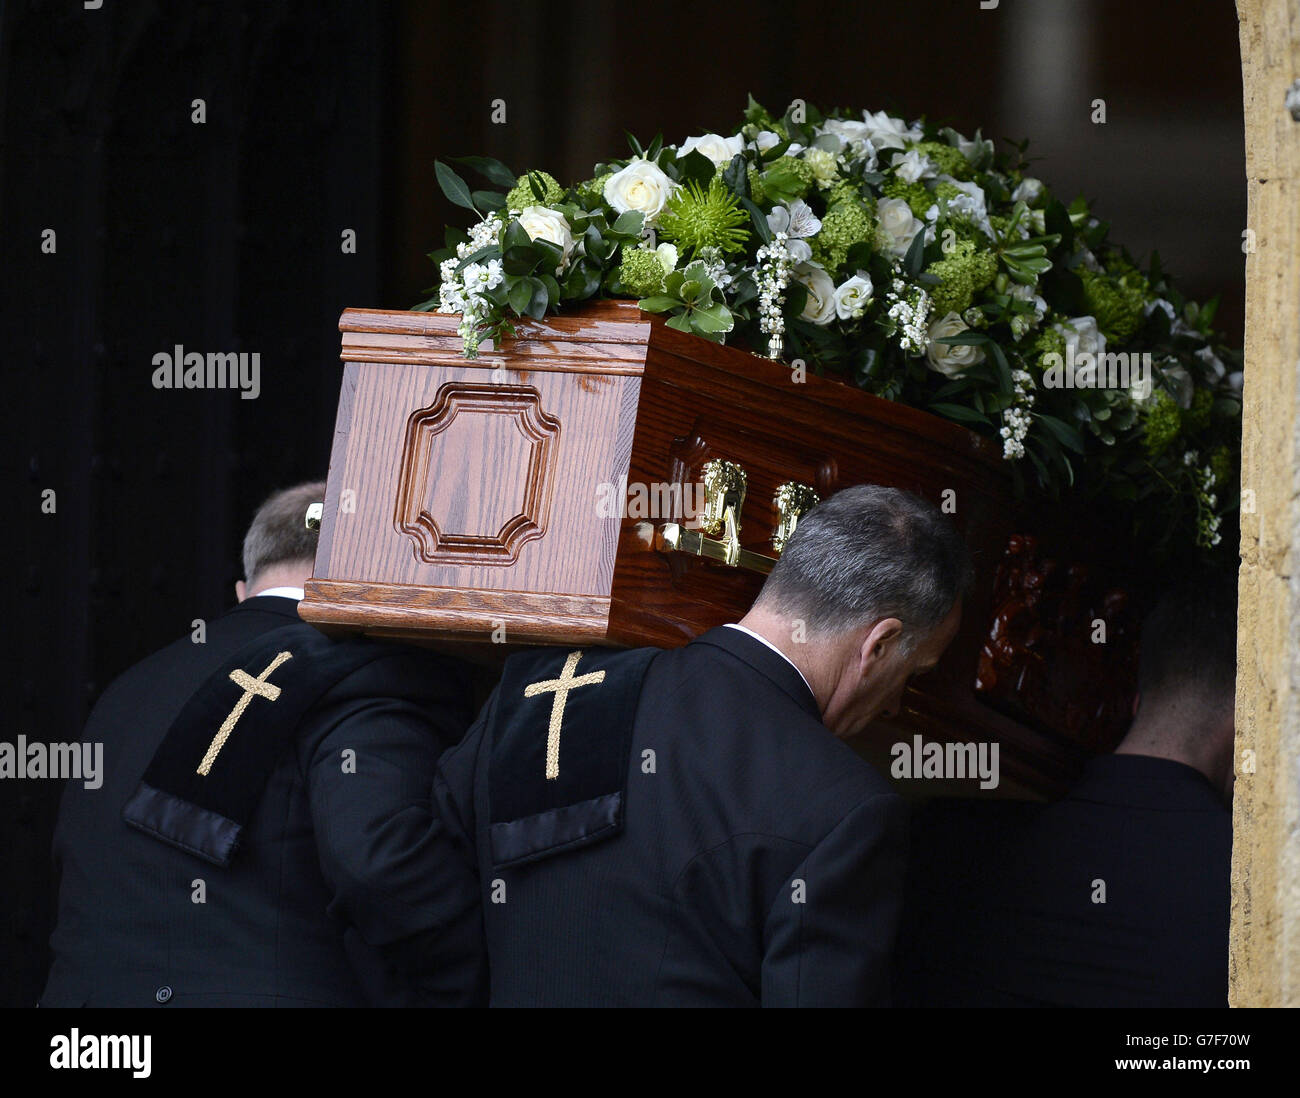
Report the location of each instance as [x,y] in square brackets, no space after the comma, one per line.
[792,501]
[724,496]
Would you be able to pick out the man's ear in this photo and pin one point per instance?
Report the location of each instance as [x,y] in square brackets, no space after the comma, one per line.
[879,641]
[241,592]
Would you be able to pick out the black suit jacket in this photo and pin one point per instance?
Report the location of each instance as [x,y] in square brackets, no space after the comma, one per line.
[1004,909]
[760,861]
[336,882]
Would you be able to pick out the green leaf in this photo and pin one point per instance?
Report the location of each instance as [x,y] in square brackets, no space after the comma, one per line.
[760,220]
[453,186]
[1004,368]
[713,318]
[629,223]
[519,295]
[736,176]
[1063,432]
[959,413]
[658,304]
[914,260]
[681,322]
[489,200]
[492,170]
[691,289]
[516,237]
[695,167]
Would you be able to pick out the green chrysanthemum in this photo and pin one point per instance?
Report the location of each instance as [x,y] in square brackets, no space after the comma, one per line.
[1116,300]
[641,272]
[948,160]
[845,224]
[964,271]
[705,217]
[1161,422]
[521,195]
[1197,417]
[914,194]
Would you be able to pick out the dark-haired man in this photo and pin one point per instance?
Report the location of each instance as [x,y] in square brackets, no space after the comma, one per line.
[263,835]
[686,827]
[1118,894]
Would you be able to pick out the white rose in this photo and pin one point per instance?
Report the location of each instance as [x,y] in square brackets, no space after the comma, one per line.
[897,225]
[667,254]
[820,308]
[951,360]
[717,148]
[766,139]
[541,223]
[1082,336]
[640,186]
[853,296]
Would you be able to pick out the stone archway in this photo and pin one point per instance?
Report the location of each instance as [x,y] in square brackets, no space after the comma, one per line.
[1264,952]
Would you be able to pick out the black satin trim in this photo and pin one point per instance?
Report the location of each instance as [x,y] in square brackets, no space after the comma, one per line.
[546,833]
[200,831]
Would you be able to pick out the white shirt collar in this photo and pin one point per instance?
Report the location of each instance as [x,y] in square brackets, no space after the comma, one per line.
[764,640]
[295,593]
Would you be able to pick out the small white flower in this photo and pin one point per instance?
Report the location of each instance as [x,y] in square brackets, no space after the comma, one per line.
[1179,382]
[798,222]
[717,148]
[890,133]
[1206,354]
[1028,191]
[970,204]
[825,165]
[856,135]
[853,296]
[667,254]
[912,167]
[1082,336]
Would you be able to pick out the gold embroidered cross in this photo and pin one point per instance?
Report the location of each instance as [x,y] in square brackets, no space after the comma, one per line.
[561,686]
[252,686]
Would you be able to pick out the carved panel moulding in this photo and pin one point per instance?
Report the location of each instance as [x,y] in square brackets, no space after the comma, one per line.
[456,512]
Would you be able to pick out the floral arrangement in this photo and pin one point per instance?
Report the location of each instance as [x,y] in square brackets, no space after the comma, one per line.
[920,264]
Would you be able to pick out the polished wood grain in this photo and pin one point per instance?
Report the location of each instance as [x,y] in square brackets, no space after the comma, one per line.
[435,475]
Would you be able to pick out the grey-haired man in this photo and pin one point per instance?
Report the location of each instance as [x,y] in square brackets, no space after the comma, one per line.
[686,827]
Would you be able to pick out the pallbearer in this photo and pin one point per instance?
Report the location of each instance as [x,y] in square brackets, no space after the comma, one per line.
[686,827]
[263,833]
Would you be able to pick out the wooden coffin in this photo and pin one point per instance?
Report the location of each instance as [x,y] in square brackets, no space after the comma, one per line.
[468,500]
